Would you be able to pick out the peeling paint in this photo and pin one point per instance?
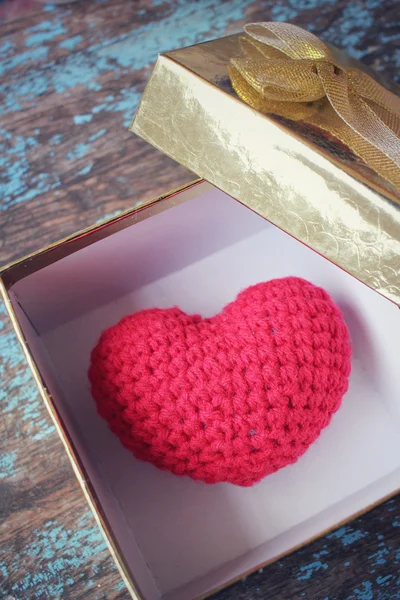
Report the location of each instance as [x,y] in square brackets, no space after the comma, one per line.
[46,31]
[79,151]
[7,463]
[348,535]
[308,570]
[63,550]
[71,43]
[81,119]
[86,170]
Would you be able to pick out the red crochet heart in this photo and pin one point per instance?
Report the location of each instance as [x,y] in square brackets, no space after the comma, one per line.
[231,398]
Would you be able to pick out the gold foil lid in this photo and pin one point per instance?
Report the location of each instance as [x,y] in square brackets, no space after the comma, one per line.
[299,177]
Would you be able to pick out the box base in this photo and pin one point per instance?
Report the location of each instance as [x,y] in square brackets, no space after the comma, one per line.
[179,538]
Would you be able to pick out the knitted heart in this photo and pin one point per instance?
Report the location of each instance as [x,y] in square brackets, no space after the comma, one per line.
[231,398]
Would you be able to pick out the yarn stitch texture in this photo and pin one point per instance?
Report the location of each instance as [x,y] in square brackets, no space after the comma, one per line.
[231,398]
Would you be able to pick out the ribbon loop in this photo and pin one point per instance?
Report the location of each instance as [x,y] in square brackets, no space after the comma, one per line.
[289,39]
[289,71]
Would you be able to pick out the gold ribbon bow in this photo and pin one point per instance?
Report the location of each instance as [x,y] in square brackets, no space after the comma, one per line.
[290,72]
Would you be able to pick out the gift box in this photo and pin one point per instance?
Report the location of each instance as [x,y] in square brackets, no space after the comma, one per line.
[281,194]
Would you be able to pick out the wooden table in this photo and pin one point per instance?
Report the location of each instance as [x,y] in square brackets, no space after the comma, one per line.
[71,78]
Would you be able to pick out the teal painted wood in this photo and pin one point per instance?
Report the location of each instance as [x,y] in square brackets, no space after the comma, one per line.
[70,80]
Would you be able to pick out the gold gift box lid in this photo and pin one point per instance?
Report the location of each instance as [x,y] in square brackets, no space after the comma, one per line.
[299,177]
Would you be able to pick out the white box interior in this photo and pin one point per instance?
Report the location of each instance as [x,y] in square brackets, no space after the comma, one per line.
[182,538]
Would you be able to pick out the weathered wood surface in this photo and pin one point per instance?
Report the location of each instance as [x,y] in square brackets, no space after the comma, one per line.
[71,78]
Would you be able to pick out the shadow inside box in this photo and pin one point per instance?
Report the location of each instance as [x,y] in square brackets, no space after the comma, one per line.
[370,352]
[181,538]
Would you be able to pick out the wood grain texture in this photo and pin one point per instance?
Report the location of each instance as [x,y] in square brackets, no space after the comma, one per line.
[71,79]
